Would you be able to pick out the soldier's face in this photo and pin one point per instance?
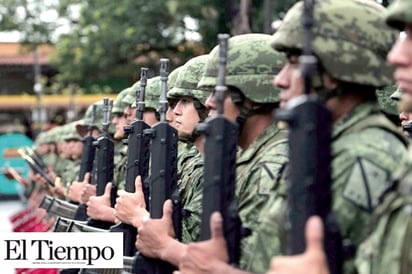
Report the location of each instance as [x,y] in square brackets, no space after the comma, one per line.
[149,117]
[119,121]
[77,147]
[401,57]
[289,80]
[186,115]
[170,117]
[230,110]
[130,114]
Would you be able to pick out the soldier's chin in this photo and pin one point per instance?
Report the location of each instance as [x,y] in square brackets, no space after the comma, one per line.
[118,136]
[183,136]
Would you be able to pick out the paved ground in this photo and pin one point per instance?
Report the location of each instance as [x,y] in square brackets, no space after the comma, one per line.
[8,208]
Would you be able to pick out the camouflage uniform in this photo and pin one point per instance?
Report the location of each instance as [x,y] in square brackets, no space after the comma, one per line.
[72,170]
[366,147]
[190,162]
[388,249]
[251,66]
[152,94]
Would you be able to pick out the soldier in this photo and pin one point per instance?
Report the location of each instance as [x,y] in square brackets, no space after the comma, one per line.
[366,147]
[76,189]
[188,103]
[388,248]
[99,207]
[249,102]
[126,202]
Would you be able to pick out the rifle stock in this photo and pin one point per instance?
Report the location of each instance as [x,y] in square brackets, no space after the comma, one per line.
[88,152]
[163,176]
[220,166]
[104,164]
[137,162]
[309,186]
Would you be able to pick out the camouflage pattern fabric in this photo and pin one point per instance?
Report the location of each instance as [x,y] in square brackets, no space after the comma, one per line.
[70,172]
[171,80]
[386,102]
[70,132]
[257,170]
[119,172]
[191,193]
[187,80]
[83,124]
[152,93]
[399,13]
[66,170]
[397,95]
[362,141]
[185,151]
[349,37]
[389,248]
[251,65]
[119,105]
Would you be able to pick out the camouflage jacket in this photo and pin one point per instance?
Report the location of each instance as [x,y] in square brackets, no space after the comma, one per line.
[257,172]
[119,172]
[388,249]
[366,148]
[191,192]
[185,151]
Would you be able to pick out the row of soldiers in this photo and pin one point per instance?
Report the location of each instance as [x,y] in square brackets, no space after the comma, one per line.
[370,163]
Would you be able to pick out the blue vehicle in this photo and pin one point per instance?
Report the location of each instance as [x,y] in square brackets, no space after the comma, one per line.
[9,143]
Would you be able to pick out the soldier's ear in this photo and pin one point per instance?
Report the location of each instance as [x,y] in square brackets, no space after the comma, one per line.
[329,82]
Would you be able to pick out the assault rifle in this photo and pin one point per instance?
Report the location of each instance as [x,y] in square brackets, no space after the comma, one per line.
[309,187]
[163,176]
[137,161]
[88,152]
[221,137]
[35,167]
[104,163]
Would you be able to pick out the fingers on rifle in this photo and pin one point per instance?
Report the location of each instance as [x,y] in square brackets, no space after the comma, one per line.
[216,225]
[314,234]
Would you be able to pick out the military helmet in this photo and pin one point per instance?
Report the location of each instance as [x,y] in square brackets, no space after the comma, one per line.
[119,105]
[399,13]
[187,80]
[152,93]
[349,37]
[70,132]
[251,65]
[83,124]
[130,97]
[171,79]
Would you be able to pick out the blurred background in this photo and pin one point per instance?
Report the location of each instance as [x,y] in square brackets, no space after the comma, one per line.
[59,56]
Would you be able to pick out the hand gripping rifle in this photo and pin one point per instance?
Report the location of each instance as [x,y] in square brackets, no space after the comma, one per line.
[137,161]
[163,176]
[104,163]
[220,166]
[309,187]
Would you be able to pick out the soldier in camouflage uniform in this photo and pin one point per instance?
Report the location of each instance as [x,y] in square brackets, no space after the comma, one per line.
[389,248]
[377,253]
[99,207]
[127,202]
[79,189]
[188,103]
[263,149]
[366,147]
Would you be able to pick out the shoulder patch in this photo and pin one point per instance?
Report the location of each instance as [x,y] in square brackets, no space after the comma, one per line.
[366,183]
